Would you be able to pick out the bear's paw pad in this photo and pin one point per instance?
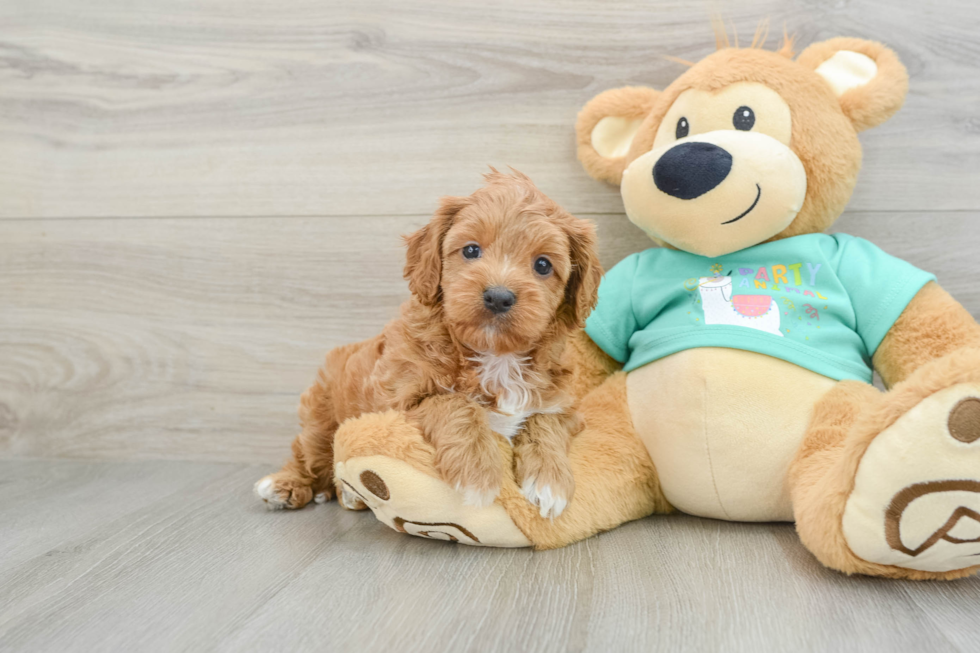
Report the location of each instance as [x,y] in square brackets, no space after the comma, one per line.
[916,497]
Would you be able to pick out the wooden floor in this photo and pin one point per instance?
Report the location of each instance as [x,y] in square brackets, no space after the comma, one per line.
[199,199]
[169,555]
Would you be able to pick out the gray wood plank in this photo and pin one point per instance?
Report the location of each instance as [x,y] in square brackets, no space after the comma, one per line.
[164,577]
[208,568]
[45,501]
[192,339]
[137,108]
[675,583]
[948,605]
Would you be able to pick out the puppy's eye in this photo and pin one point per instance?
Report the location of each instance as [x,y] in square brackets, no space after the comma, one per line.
[542,266]
[682,129]
[472,250]
[744,119]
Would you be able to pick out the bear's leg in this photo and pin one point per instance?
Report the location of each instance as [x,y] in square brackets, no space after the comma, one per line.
[888,484]
[387,464]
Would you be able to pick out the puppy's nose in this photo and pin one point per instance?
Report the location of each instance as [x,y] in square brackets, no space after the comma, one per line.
[690,170]
[498,299]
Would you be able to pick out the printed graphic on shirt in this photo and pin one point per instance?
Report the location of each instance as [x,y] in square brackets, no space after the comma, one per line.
[751,311]
[775,313]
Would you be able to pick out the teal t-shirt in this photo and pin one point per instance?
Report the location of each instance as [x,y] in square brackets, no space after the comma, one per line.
[823,302]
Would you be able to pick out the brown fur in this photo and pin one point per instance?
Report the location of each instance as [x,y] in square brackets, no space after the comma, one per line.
[423,363]
[933,325]
[466,451]
[542,453]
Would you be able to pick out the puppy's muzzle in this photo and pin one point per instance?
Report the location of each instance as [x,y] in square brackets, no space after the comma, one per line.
[498,299]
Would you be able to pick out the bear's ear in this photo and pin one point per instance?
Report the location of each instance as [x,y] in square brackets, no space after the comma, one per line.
[867,78]
[605,129]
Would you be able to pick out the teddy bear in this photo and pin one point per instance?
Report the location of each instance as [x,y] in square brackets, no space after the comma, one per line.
[726,372]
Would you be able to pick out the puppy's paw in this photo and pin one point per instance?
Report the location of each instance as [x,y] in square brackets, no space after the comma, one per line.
[547,483]
[474,468]
[280,491]
[550,503]
[478,497]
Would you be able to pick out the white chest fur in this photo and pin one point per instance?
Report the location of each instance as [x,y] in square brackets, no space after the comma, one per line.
[505,377]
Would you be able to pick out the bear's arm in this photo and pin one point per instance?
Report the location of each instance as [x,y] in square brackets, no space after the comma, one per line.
[931,326]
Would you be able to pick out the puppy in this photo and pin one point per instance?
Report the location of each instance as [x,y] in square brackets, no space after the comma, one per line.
[499,280]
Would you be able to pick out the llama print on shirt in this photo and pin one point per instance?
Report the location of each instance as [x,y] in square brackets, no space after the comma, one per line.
[758,312]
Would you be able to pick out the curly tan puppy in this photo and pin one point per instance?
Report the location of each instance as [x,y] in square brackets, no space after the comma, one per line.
[499,279]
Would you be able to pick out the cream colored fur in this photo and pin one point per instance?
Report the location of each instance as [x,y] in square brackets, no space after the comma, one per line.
[716,424]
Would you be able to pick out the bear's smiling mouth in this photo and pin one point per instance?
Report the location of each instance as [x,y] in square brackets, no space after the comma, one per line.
[758,194]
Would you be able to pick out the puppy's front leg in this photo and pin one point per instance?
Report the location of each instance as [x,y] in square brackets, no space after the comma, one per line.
[467,452]
[541,460]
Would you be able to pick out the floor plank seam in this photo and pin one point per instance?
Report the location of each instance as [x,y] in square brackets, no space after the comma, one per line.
[419,216]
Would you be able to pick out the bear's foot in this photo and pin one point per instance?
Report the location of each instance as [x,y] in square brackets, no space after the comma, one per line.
[383,463]
[916,497]
[413,502]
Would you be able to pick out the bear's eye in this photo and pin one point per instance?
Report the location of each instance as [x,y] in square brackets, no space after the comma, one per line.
[542,266]
[682,128]
[471,250]
[743,119]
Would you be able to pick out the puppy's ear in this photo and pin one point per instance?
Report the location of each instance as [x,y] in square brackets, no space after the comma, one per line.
[423,261]
[605,129]
[582,289]
[867,78]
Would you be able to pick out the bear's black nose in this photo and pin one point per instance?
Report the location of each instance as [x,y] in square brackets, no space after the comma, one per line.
[690,170]
[498,299]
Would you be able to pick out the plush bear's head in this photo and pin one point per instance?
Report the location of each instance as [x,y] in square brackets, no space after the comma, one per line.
[746,146]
